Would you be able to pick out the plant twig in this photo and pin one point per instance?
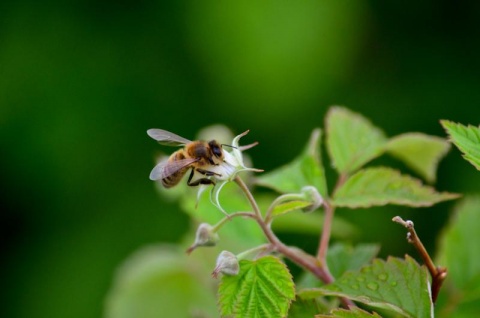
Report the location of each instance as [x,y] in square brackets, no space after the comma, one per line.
[228,218]
[257,251]
[327,223]
[438,273]
[250,197]
[327,228]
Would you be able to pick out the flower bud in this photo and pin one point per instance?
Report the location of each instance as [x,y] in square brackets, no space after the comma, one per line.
[205,236]
[227,264]
[311,194]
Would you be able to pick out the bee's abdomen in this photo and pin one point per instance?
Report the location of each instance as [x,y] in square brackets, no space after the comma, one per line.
[173,179]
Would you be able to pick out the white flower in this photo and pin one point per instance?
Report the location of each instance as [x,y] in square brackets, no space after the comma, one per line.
[227,170]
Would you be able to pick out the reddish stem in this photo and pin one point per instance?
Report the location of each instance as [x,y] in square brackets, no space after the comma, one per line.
[438,273]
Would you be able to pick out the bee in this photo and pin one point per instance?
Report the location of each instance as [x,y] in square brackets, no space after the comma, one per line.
[198,156]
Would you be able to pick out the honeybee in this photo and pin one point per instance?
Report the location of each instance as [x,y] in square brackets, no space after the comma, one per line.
[198,156]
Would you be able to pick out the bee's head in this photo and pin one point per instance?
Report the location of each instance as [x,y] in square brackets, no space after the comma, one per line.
[216,149]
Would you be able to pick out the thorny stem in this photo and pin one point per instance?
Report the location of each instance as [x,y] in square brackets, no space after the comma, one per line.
[297,256]
[438,273]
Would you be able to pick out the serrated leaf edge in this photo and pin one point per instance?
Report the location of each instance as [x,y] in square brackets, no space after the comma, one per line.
[447,125]
[355,310]
[277,262]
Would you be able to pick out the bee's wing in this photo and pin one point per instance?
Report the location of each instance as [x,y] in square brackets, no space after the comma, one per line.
[167,138]
[166,168]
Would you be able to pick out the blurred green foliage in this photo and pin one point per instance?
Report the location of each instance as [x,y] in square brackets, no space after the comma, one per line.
[81,82]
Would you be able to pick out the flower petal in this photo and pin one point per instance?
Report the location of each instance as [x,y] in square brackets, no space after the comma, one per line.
[214,196]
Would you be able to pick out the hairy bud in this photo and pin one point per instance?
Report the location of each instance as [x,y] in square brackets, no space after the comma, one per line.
[227,264]
[311,194]
[205,236]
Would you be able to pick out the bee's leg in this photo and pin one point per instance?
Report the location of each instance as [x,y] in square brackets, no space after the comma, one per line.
[208,173]
[201,180]
[190,177]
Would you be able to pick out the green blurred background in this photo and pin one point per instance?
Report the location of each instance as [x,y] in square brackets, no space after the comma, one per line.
[81,82]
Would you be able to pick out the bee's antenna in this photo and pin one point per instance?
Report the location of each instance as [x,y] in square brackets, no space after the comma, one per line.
[229,146]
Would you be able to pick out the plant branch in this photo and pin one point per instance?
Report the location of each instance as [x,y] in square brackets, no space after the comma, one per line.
[327,223]
[438,273]
[325,237]
[341,180]
[258,250]
[250,198]
[220,223]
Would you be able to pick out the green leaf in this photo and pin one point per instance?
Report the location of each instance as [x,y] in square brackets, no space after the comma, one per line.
[396,284]
[263,288]
[458,251]
[341,258]
[381,186]
[466,138]
[305,170]
[308,200]
[352,140]
[159,280]
[420,152]
[307,304]
[289,206]
[354,312]
[306,223]
[307,307]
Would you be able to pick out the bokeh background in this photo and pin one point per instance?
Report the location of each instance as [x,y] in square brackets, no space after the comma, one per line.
[81,82]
